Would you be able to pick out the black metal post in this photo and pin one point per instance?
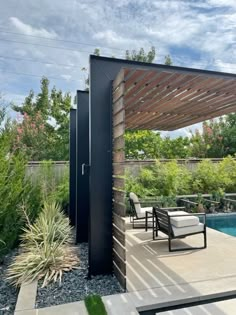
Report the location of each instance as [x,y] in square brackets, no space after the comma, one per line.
[72,206]
[82,167]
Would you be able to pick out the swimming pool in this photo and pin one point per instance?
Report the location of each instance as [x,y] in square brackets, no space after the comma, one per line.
[225,223]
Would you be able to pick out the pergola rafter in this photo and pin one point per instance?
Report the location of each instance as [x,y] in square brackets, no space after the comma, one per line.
[164,100]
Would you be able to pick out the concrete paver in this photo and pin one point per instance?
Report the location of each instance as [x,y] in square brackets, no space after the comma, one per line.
[26,297]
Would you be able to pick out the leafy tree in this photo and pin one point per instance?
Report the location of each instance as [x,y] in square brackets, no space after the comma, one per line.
[229,134]
[177,148]
[210,143]
[142,144]
[168,61]
[43,130]
[141,55]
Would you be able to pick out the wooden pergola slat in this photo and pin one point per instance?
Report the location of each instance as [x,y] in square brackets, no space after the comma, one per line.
[167,100]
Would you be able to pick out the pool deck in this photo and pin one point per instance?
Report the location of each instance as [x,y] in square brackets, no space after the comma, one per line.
[157,277]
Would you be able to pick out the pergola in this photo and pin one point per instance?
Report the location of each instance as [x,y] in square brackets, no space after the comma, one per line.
[131,95]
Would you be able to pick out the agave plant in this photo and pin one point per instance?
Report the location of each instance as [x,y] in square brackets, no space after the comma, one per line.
[46,249]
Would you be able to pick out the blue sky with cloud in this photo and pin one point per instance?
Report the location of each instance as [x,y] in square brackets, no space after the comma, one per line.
[60,35]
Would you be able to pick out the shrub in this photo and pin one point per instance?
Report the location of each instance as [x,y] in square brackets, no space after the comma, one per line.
[61,191]
[160,180]
[227,174]
[14,192]
[210,177]
[18,191]
[46,250]
[171,179]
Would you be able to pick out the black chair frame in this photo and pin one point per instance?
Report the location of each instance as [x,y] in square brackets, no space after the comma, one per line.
[134,219]
[161,222]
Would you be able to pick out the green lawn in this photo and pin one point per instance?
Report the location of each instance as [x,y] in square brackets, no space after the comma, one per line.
[95,305]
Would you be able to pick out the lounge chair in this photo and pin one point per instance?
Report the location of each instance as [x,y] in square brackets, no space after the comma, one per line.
[178,224]
[141,216]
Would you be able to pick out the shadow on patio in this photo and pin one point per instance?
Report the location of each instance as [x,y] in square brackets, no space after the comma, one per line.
[158,277]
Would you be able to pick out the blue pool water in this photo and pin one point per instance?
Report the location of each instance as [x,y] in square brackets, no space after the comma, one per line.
[225,223]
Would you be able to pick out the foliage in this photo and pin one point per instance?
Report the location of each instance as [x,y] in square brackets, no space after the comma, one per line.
[15,190]
[20,193]
[162,179]
[43,126]
[177,148]
[46,251]
[142,144]
[94,305]
[62,192]
[30,137]
[171,179]
[50,222]
[141,55]
[168,60]
[217,138]
[209,144]
[147,144]
[229,134]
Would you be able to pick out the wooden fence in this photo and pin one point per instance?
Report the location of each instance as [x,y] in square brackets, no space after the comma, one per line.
[133,166]
[35,169]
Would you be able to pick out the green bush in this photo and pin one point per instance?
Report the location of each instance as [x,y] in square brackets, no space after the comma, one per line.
[171,179]
[20,193]
[167,179]
[61,192]
[15,193]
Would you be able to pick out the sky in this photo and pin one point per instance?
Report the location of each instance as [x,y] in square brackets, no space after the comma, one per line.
[55,38]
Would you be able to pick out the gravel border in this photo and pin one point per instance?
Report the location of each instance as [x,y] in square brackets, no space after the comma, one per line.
[75,286]
[8,293]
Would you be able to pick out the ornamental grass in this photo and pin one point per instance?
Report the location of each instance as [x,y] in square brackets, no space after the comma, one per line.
[46,249]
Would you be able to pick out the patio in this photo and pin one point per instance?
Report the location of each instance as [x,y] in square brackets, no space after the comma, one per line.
[155,276]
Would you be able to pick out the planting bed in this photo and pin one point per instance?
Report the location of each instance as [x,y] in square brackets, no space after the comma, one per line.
[8,293]
[75,286]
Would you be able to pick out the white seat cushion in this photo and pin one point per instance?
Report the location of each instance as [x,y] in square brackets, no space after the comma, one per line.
[183,220]
[178,231]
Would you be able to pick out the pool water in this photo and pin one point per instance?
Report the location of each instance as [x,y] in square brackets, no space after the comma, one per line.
[223,223]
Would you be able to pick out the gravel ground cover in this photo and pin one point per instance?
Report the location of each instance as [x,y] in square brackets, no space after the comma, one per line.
[75,285]
[8,293]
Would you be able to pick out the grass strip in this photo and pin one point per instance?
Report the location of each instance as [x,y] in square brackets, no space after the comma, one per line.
[94,305]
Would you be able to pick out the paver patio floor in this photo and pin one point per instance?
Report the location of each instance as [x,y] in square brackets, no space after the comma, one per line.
[151,265]
[156,276]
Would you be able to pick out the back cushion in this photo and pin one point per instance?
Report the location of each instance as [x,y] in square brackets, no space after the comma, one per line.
[135,199]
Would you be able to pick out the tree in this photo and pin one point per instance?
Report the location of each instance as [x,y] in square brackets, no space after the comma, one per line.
[141,55]
[229,134]
[42,132]
[209,144]
[142,145]
[168,61]
[177,148]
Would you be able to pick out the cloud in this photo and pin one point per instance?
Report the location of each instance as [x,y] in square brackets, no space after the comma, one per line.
[29,30]
[198,34]
[67,77]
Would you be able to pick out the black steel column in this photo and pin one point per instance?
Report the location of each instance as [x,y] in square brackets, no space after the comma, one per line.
[72,207]
[82,168]
[100,157]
